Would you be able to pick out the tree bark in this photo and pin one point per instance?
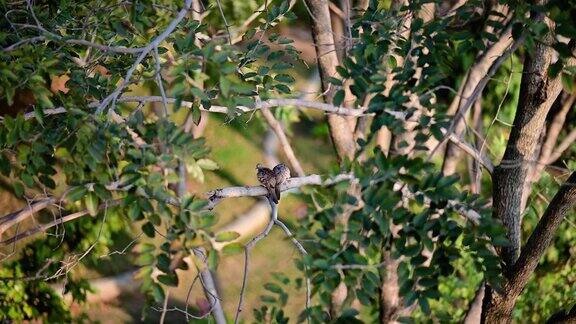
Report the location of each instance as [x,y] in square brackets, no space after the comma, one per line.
[340,132]
[498,306]
[537,94]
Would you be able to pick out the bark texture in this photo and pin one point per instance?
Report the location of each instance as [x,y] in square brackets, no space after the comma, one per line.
[537,94]
[340,131]
[498,306]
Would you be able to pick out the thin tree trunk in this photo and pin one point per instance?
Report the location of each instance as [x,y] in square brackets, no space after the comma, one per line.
[537,94]
[340,132]
[498,306]
[474,313]
[472,79]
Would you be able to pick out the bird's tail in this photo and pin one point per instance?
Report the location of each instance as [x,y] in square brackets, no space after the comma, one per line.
[277,193]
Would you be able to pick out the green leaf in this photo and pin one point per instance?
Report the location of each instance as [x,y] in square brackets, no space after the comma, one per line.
[568,82]
[338,98]
[225,86]
[91,201]
[226,236]
[148,229]
[18,188]
[76,193]
[5,166]
[163,262]
[272,287]
[145,259]
[196,114]
[169,279]
[285,78]
[233,248]
[207,164]
[213,260]
[158,293]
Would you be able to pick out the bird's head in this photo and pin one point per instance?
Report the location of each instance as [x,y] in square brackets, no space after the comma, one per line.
[259,166]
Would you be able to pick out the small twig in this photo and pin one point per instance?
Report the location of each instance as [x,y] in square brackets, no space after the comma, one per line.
[291,236]
[124,249]
[477,155]
[153,44]
[189,292]
[159,81]
[303,251]
[247,249]
[164,307]
[358,266]
[563,146]
[225,22]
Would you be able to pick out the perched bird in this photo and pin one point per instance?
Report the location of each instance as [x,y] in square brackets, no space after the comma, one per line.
[282,173]
[268,179]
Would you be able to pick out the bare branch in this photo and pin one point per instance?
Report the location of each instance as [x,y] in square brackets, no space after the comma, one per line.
[56,222]
[18,216]
[271,103]
[215,196]
[465,97]
[554,130]
[563,146]
[159,81]
[247,248]
[153,44]
[302,250]
[284,143]
[210,287]
[474,313]
[541,237]
[478,89]
[164,307]
[23,42]
[481,158]
[340,132]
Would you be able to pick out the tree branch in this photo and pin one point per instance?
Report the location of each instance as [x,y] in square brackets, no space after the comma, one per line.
[481,158]
[153,44]
[554,130]
[478,89]
[542,236]
[247,249]
[563,146]
[284,143]
[20,215]
[538,91]
[271,103]
[215,196]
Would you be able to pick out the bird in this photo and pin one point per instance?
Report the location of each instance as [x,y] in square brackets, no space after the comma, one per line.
[282,173]
[268,179]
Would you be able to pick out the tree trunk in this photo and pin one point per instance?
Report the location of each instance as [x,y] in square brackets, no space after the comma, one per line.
[498,306]
[340,132]
[537,94]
